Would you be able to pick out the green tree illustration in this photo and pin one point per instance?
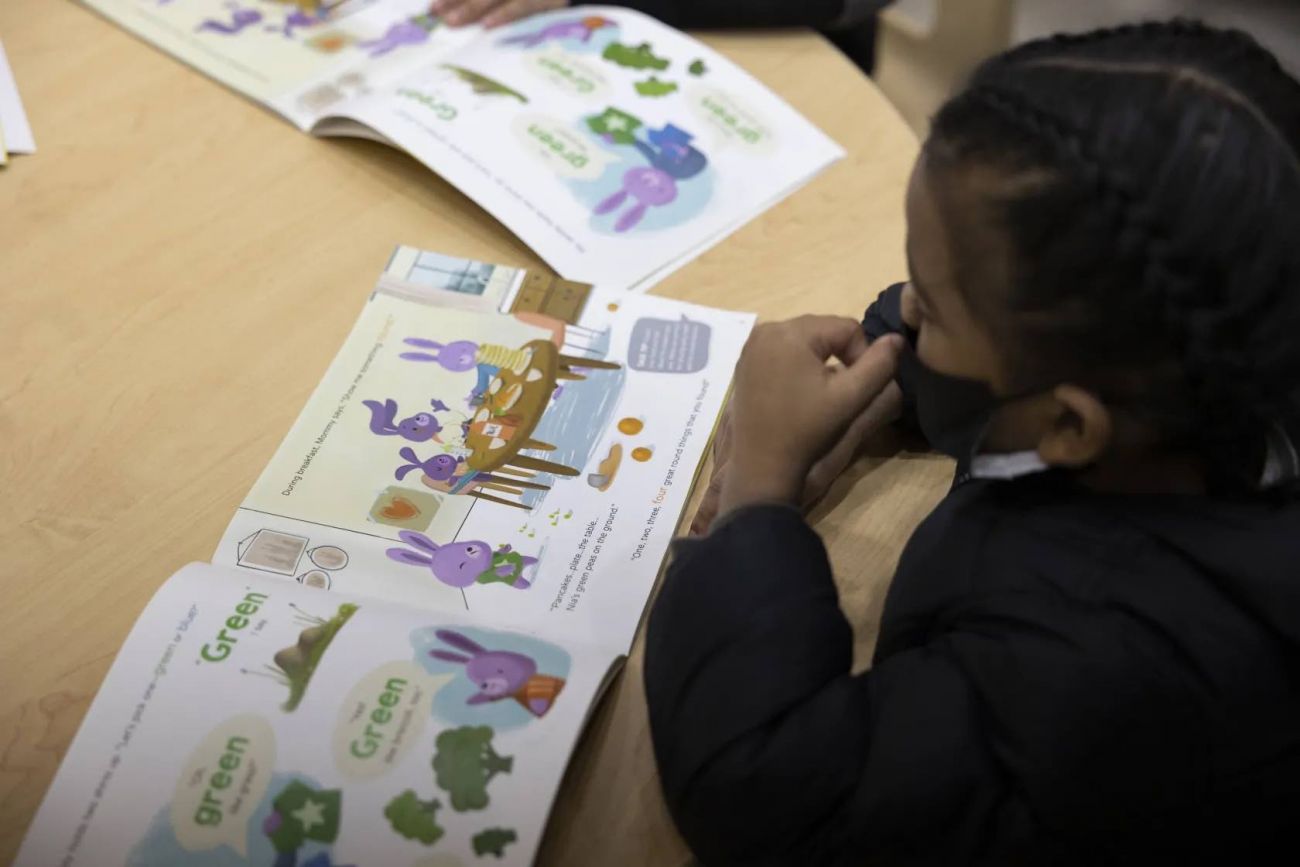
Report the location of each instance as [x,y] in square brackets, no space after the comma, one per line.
[465,763]
[654,87]
[414,819]
[493,841]
[634,56]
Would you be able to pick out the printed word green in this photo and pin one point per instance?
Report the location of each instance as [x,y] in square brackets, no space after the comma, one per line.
[731,121]
[219,649]
[557,146]
[209,811]
[443,110]
[580,82]
[373,737]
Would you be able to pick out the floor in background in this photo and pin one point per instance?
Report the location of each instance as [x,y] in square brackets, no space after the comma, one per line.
[1276,23]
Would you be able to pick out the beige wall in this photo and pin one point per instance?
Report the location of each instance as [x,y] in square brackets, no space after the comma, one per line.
[917,68]
[1276,23]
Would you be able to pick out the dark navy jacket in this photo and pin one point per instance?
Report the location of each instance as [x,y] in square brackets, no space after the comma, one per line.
[1062,677]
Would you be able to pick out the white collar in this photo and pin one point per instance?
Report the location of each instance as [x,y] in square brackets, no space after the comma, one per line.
[1281,463]
[1008,465]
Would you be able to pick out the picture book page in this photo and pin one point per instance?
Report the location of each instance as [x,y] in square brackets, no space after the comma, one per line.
[611,144]
[296,59]
[529,465]
[254,722]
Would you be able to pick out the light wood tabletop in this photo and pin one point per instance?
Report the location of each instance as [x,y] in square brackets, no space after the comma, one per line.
[178,267]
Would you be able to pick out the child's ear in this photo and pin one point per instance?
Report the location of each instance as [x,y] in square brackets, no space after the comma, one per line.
[1080,431]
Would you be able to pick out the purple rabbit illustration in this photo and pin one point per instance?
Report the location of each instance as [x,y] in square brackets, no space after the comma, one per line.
[462,564]
[464,355]
[451,475]
[572,28]
[413,31]
[419,428]
[297,20]
[239,19]
[457,356]
[500,674]
[651,188]
[440,468]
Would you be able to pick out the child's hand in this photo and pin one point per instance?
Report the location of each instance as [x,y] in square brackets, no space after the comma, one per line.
[492,13]
[791,409]
[882,411]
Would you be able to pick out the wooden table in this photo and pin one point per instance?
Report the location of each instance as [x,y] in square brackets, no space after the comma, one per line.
[177,268]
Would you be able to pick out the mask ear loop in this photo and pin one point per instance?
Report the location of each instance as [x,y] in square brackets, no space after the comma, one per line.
[972,466]
[1002,465]
[1281,462]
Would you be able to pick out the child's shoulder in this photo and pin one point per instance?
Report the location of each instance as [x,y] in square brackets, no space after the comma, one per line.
[1168,571]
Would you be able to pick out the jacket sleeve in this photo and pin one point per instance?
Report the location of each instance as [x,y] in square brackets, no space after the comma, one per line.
[706,14]
[770,750]
[885,316]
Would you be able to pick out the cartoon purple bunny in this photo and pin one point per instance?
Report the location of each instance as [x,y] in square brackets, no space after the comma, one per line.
[463,355]
[240,18]
[451,475]
[440,468]
[411,31]
[457,356]
[500,674]
[418,428]
[497,673]
[461,564]
[573,28]
[297,20]
[650,187]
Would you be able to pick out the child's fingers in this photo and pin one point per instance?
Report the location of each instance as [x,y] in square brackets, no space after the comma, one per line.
[909,308]
[832,336]
[722,440]
[880,412]
[516,9]
[445,7]
[708,509]
[469,11]
[507,12]
[872,371]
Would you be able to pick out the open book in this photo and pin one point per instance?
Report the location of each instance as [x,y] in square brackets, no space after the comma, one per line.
[411,614]
[614,146]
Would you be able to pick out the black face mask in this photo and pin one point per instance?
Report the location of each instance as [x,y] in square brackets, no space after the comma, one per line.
[954,412]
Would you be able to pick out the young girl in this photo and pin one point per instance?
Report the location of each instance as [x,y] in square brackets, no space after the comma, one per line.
[1090,652]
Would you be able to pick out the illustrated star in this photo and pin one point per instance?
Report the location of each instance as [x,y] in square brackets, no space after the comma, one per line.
[310,814]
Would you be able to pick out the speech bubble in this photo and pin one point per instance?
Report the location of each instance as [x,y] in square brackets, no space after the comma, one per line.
[560,148]
[382,718]
[732,120]
[669,346]
[223,784]
[570,73]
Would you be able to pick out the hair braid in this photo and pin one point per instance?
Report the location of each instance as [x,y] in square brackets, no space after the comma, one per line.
[1139,233]
[1214,309]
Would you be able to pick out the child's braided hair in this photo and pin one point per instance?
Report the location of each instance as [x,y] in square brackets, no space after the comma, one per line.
[1150,195]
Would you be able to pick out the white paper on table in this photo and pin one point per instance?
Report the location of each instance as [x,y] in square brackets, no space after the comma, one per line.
[17,133]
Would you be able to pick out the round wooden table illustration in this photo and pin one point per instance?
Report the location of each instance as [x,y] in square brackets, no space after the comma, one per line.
[502,427]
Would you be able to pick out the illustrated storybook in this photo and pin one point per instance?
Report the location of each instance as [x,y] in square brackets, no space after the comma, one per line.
[410,616]
[614,146]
